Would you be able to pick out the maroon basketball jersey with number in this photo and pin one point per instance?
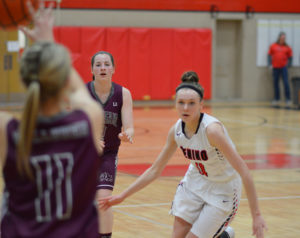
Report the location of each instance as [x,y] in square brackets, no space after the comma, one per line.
[112,110]
[59,202]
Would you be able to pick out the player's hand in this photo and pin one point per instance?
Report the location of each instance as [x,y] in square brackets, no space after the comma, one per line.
[43,21]
[102,144]
[125,137]
[107,202]
[259,226]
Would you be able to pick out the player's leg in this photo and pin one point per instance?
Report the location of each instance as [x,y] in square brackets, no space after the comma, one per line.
[105,217]
[227,233]
[276,74]
[211,222]
[105,187]
[180,228]
[186,207]
[286,84]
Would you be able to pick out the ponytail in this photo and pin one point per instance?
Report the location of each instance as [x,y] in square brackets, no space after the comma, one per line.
[26,129]
[44,68]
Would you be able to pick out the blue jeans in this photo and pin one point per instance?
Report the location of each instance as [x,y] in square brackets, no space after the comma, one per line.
[277,72]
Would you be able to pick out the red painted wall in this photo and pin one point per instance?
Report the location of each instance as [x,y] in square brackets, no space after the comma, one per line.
[149,61]
[288,6]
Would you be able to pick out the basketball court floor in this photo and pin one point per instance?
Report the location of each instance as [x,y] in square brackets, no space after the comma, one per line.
[267,138]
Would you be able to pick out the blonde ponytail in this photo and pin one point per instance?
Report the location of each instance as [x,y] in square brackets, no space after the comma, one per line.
[44,69]
[27,127]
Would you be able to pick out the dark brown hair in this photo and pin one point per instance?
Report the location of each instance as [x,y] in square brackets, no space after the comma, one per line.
[279,36]
[103,53]
[190,80]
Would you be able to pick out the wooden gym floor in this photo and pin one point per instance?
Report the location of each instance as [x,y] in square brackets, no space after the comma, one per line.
[267,138]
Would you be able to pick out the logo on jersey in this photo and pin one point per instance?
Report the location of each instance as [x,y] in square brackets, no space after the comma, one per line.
[106,177]
[194,154]
[111,118]
[115,104]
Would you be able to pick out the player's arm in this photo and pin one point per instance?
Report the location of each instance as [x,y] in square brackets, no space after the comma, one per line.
[43,21]
[4,119]
[81,99]
[217,138]
[43,31]
[148,176]
[127,117]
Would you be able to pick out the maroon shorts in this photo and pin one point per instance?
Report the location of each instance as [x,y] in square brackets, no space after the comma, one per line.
[108,170]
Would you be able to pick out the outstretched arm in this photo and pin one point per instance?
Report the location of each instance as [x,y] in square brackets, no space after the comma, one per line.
[148,176]
[217,138]
[43,21]
[79,97]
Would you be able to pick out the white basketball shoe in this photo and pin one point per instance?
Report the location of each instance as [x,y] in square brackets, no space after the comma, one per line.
[229,232]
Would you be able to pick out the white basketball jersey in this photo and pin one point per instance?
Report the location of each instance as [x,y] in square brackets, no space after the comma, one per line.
[209,172]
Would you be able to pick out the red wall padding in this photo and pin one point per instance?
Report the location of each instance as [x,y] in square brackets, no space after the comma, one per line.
[149,61]
[162,61]
[288,6]
[140,77]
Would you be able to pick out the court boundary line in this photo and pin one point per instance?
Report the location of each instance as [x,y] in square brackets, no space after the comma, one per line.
[169,203]
[143,219]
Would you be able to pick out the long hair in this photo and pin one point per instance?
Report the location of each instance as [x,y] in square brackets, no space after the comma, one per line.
[279,36]
[44,70]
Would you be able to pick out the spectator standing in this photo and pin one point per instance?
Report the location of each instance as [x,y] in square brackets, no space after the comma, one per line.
[280,57]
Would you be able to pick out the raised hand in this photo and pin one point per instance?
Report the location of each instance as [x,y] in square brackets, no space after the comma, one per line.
[43,21]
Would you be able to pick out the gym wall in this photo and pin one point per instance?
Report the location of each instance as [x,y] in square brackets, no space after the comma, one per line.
[149,61]
[233,29]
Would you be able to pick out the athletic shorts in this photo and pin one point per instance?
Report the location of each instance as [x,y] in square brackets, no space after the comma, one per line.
[207,220]
[108,170]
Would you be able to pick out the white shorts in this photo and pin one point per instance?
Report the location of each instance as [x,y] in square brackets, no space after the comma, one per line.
[207,221]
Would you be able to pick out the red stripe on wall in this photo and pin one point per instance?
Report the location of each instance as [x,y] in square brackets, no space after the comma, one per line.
[288,6]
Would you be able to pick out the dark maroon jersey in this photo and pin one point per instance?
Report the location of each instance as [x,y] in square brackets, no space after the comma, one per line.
[112,111]
[59,202]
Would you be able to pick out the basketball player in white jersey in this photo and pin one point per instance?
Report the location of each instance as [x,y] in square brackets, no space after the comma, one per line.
[208,196]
